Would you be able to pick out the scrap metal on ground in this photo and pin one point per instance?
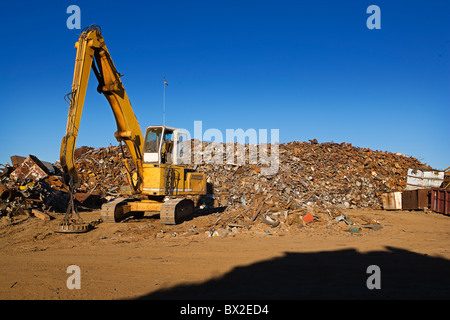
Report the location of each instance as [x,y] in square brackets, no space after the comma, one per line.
[313,180]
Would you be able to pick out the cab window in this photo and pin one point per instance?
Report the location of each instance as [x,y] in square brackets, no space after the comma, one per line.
[152,140]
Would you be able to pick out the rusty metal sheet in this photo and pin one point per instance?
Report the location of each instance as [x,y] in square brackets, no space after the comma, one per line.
[31,168]
[17,160]
[392,200]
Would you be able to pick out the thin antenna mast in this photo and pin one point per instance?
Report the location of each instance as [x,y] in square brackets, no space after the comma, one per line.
[164,102]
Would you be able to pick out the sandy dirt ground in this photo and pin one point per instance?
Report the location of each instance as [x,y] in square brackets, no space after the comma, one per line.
[144,259]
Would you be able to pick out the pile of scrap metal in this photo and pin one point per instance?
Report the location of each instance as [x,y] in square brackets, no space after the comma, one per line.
[309,174]
[314,178]
[102,170]
[31,184]
[321,174]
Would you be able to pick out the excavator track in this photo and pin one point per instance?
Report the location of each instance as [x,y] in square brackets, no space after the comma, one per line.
[175,211]
[111,211]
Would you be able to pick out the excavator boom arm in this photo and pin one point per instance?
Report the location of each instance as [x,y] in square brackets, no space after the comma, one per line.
[92,53]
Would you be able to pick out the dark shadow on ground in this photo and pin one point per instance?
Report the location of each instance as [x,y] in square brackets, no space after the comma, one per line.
[325,275]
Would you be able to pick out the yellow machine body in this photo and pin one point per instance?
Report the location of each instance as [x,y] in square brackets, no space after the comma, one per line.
[185,183]
[159,181]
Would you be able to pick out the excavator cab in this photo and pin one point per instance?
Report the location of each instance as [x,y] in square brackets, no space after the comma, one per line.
[166,151]
[166,145]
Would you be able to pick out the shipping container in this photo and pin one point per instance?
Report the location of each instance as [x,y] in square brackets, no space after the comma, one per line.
[440,200]
[418,199]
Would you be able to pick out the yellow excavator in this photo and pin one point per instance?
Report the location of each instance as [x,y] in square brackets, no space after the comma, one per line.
[159,181]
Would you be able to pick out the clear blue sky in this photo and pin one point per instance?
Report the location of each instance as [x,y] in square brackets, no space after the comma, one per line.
[311,69]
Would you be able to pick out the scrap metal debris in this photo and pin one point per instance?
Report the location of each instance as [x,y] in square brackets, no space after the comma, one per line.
[313,183]
[323,174]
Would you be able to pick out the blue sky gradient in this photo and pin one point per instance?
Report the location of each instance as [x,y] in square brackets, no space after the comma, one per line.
[311,69]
